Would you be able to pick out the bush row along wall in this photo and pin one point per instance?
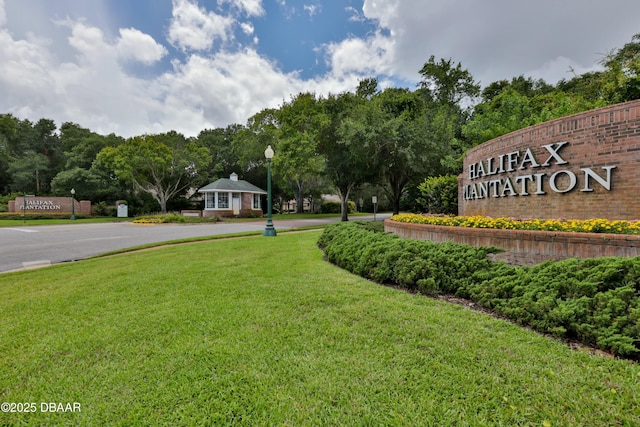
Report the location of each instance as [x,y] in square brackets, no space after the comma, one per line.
[577,167]
[524,247]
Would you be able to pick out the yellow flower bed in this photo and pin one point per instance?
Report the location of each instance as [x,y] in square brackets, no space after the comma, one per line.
[148,221]
[597,225]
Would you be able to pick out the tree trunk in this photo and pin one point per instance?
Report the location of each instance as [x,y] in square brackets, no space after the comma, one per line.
[161,198]
[344,202]
[396,205]
[300,197]
[397,189]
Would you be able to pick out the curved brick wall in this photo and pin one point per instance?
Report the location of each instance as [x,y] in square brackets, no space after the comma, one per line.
[524,247]
[582,166]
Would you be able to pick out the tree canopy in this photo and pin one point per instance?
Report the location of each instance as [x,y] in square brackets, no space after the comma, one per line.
[162,165]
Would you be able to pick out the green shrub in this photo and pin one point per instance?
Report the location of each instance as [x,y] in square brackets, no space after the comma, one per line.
[411,264]
[595,301]
[336,207]
[173,218]
[104,209]
[439,194]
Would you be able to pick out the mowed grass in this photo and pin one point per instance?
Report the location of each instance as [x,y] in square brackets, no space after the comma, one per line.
[262,331]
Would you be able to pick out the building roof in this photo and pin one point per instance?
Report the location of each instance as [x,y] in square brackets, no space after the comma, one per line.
[231,185]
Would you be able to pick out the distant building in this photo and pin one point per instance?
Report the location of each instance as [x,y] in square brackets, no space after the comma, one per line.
[229,197]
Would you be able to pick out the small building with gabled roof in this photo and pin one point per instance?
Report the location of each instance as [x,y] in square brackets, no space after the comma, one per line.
[229,197]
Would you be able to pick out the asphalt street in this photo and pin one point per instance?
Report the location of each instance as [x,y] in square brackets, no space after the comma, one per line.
[24,247]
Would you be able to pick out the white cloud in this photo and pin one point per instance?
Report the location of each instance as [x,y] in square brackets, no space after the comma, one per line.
[312,9]
[137,46]
[250,7]
[97,92]
[89,41]
[194,28]
[355,15]
[93,90]
[247,28]
[560,68]
[501,39]
[230,87]
[368,57]
[223,89]
[3,15]
[24,74]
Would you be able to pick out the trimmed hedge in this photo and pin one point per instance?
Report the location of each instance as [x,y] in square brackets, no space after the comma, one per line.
[594,301]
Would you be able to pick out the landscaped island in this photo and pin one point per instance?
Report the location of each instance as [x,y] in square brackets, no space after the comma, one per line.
[595,301]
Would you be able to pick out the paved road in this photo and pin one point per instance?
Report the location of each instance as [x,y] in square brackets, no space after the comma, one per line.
[34,246]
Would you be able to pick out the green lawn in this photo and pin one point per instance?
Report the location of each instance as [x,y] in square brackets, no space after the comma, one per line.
[261,331]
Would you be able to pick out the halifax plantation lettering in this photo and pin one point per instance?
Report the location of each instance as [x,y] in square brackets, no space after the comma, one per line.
[493,181]
[40,205]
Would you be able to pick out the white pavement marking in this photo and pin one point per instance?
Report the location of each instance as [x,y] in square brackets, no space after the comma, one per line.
[23,230]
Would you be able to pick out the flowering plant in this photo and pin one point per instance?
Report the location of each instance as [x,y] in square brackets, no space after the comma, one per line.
[596,225]
[146,220]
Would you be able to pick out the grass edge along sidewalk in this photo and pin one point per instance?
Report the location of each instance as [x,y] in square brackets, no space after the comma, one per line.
[262,331]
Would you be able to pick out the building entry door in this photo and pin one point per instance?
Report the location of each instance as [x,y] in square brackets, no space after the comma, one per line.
[235,203]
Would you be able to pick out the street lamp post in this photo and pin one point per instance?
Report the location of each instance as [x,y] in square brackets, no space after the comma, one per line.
[73,204]
[269,229]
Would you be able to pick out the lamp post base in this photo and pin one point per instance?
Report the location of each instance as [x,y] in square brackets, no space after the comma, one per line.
[269,231]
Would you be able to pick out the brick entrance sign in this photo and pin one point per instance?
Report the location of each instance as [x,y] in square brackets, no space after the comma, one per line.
[577,167]
[61,205]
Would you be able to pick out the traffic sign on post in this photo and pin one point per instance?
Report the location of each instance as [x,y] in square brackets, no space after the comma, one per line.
[374,200]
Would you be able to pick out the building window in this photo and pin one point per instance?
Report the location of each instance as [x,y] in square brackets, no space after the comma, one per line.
[256,201]
[209,201]
[223,200]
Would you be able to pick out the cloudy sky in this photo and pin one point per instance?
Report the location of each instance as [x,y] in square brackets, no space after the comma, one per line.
[147,66]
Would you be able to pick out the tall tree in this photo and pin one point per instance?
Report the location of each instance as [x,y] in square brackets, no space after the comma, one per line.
[250,143]
[220,142]
[450,93]
[447,83]
[81,146]
[28,173]
[349,162]
[511,110]
[35,156]
[525,86]
[162,165]
[405,149]
[618,82]
[8,126]
[298,162]
[623,72]
[503,113]
[81,172]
